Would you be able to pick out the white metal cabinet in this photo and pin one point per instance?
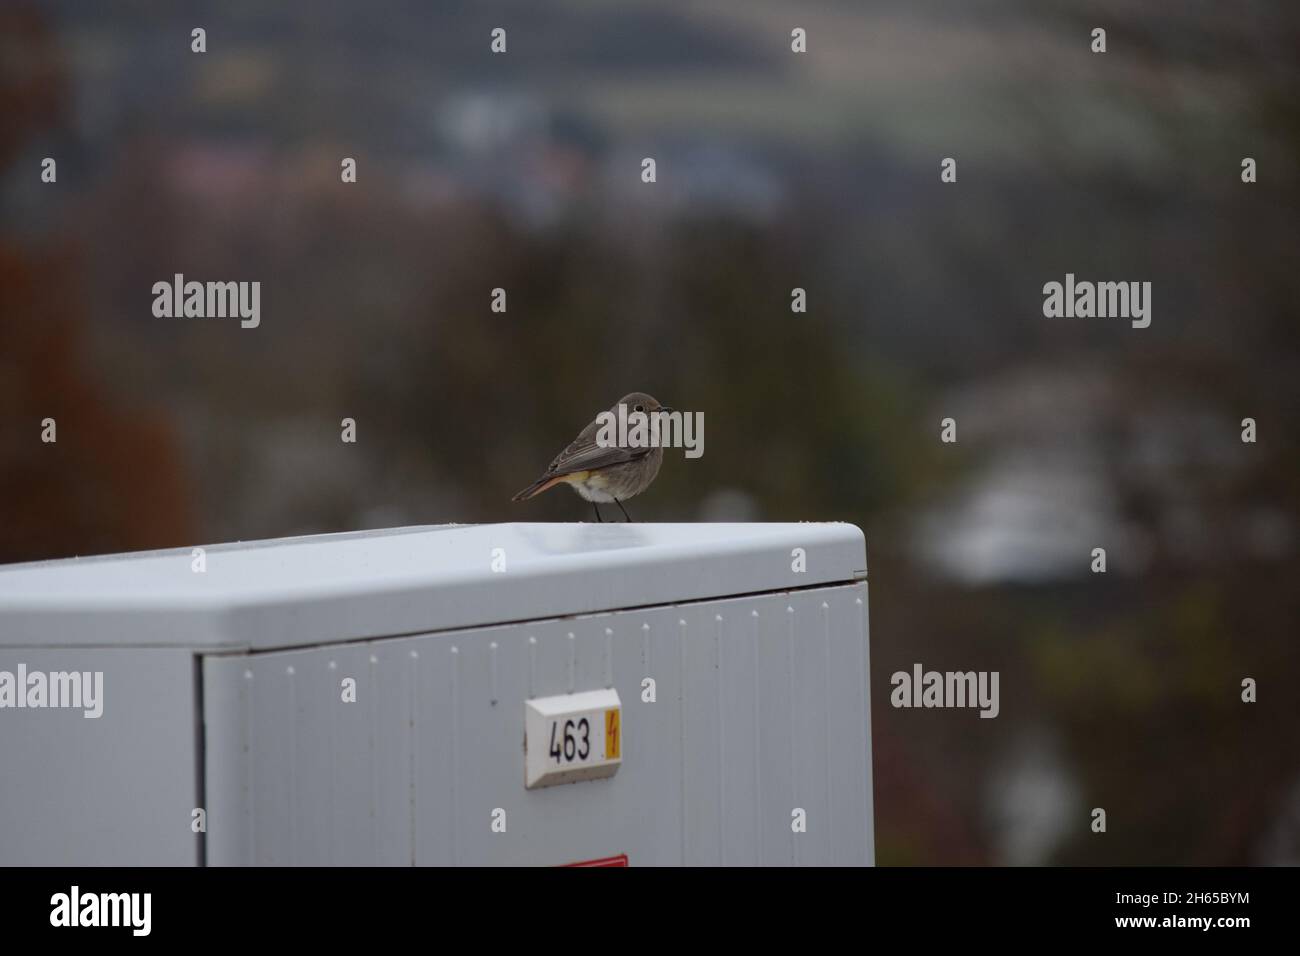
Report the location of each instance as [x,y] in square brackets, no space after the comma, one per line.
[759,663]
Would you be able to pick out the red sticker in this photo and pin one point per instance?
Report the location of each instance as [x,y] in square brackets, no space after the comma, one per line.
[620,860]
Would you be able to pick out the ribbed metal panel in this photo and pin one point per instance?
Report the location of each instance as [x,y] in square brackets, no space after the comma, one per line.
[761,708]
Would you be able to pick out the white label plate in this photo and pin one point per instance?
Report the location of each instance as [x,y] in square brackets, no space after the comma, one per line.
[572,737]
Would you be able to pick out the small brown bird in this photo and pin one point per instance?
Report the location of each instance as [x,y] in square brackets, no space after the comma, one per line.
[604,473]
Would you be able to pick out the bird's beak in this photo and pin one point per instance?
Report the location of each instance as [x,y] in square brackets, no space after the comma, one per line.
[666,408]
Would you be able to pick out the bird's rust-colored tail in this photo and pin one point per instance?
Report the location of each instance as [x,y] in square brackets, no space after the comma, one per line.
[538,486]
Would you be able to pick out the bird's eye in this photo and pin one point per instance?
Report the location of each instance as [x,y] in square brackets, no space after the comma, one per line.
[639,408]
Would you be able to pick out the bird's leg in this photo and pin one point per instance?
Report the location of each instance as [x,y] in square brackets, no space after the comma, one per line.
[622,509]
[597,509]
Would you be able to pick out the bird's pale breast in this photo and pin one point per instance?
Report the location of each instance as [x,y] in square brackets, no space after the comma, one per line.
[622,481]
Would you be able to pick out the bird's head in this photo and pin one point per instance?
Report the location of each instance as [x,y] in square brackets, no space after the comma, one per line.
[640,402]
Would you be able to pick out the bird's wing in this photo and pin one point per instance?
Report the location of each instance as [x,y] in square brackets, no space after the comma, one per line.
[585,454]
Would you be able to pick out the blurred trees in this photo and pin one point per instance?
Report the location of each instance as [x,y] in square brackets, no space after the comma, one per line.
[113,479]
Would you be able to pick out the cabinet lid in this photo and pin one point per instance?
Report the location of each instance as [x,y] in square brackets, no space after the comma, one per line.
[328,588]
